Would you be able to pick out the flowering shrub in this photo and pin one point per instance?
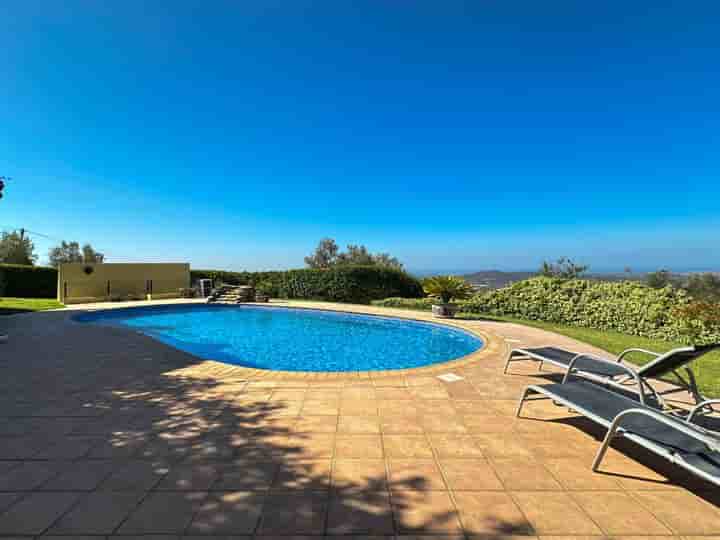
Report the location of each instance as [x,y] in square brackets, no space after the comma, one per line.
[628,307]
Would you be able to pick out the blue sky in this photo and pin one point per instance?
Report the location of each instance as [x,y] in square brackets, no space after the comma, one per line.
[455,135]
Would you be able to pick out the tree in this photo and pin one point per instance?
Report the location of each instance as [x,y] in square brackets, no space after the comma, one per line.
[16,248]
[704,287]
[384,259]
[325,254]
[659,279]
[563,268]
[69,252]
[328,254]
[92,256]
[357,255]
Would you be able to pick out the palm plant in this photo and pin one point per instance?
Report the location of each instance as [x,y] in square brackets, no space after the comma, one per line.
[448,288]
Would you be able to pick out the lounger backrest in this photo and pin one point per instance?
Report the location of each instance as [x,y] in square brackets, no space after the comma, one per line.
[677,358]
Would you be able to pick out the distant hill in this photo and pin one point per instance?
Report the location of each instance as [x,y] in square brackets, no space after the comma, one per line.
[496,279]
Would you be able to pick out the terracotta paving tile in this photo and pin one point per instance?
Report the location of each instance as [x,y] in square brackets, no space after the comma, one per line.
[632,475]
[393,393]
[245,477]
[81,476]
[163,512]
[437,407]
[359,393]
[429,392]
[398,407]
[470,475]
[554,513]
[36,512]
[321,406]
[416,475]
[684,512]
[487,423]
[407,446]
[352,475]
[358,407]
[455,446]
[197,477]
[398,425]
[358,446]
[288,395]
[521,474]
[98,513]
[299,513]
[425,512]
[490,513]
[499,445]
[618,513]
[135,476]
[317,424]
[358,424]
[227,513]
[314,445]
[30,475]
[576,474]
[303,475]
[361,513]
[440,424]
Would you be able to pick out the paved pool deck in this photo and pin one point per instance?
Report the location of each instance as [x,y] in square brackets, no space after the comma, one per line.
[108,433]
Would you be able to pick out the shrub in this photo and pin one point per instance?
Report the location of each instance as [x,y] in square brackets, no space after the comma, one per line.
[28,281]
[628,307]
[421,304]
[359,284]
[447,288]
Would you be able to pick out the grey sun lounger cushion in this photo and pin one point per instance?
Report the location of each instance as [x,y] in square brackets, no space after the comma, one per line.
[672,439]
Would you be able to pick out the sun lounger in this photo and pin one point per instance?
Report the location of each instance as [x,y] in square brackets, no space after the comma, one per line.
[663,364]
[678,441]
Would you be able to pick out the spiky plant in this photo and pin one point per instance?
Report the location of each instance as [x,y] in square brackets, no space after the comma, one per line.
[448,288]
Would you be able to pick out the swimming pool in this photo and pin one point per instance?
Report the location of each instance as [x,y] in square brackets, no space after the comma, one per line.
[294,339]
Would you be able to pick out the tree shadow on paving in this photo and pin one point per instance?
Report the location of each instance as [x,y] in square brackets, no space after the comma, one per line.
[104,432]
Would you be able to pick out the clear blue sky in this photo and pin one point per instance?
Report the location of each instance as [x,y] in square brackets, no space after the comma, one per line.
[455,135]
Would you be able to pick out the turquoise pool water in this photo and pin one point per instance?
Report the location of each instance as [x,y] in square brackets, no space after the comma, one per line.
[293,339]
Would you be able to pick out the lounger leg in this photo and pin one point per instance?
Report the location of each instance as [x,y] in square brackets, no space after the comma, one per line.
[541,365]
[522,401]
[605,445]
[507,364]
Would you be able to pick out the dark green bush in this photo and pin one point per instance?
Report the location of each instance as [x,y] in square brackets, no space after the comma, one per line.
[420,304]
[359,284]
[28,281]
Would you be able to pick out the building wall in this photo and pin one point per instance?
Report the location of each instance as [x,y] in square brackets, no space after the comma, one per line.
[81,282]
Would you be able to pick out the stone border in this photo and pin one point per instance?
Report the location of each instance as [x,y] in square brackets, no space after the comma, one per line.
[492,344]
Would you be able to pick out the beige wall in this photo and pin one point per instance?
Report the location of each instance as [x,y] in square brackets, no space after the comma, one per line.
[76,284]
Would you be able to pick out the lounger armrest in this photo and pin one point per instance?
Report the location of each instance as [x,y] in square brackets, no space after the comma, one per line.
[699,407]
[594,365]
[711,443]
[623,354]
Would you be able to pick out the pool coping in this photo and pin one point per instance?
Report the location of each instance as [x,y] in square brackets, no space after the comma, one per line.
[492,344]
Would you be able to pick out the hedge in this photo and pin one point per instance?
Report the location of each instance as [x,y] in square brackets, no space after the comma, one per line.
[357,284]
[628,307]
[28,281]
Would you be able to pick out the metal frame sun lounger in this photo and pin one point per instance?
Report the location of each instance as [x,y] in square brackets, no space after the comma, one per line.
[678,441]
[662,365]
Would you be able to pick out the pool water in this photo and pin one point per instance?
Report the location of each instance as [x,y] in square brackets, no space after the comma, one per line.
[293,339]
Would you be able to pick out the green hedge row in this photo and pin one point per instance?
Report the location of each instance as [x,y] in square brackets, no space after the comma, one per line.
[357,284]
[628,307]
[28,281]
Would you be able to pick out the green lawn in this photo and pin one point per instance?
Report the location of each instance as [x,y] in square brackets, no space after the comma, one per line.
[9,306]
